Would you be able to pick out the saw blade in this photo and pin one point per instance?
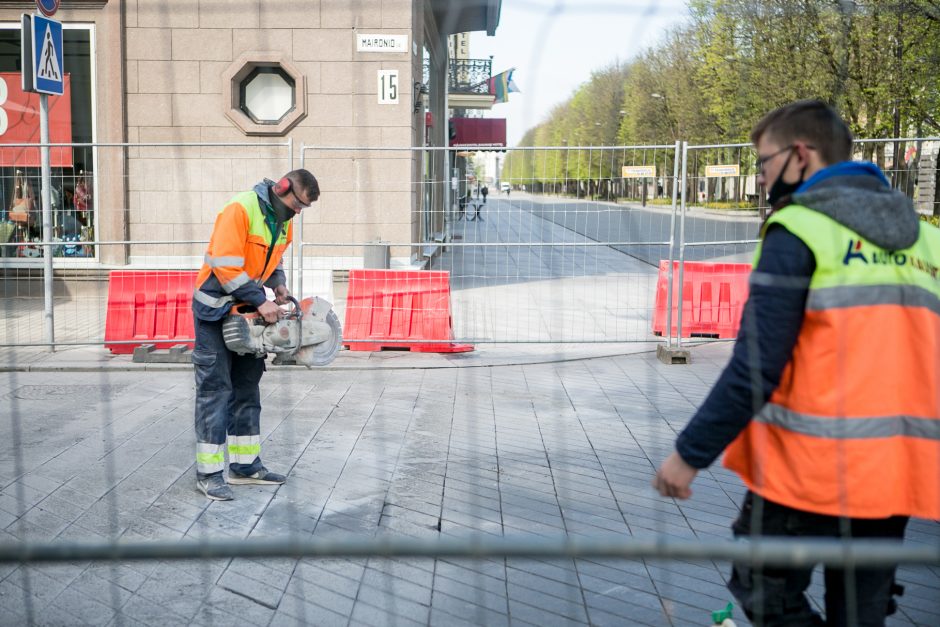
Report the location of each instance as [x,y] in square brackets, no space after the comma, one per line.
[324,353]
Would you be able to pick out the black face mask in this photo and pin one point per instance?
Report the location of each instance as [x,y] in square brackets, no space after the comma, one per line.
[781,189]
[282,212]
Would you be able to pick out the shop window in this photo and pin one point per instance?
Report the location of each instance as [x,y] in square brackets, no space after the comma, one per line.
[73,168]
[267,94]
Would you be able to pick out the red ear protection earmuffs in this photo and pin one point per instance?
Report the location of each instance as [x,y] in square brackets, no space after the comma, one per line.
[282,187]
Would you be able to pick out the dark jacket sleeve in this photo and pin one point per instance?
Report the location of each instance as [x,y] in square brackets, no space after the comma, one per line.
[769,329]
[278,277]
[250,293]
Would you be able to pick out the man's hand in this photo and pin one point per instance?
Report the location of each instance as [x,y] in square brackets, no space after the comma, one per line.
[280,294]
[269,311]
[674,477]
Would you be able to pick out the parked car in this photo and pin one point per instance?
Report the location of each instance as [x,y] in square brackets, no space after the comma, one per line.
[504,187]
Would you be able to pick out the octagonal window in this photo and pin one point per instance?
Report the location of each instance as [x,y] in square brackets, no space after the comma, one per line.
[266,95]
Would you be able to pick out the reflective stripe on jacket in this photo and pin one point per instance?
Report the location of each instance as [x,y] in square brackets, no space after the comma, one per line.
[854,427]
[234,266]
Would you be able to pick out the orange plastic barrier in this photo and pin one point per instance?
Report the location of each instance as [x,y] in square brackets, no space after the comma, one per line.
[407,309]
[713,296]
[154,307]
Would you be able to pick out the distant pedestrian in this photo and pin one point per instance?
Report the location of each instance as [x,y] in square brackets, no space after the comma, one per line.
[827,444]
[484,191]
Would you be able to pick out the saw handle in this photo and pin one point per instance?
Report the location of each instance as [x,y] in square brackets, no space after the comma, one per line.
[251,313]
[296,312]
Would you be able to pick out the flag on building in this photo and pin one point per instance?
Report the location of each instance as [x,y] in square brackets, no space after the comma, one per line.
[502,85]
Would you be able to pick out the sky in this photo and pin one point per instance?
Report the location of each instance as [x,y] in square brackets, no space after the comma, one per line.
[556,44]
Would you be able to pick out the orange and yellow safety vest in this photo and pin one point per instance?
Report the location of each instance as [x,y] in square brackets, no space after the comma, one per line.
[854,427]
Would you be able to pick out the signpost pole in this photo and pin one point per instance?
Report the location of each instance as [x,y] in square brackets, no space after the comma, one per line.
[46,187]
[46,76]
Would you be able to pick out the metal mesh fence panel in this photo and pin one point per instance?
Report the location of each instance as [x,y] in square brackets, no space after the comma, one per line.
[567,256]
[497,493]
[127,207]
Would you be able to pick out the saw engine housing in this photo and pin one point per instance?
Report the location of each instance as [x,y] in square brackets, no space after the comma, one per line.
[309,335]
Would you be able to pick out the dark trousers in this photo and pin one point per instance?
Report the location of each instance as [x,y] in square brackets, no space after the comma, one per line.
[228,396]
[774,596]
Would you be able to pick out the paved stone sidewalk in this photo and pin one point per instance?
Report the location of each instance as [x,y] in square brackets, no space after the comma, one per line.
[539,449]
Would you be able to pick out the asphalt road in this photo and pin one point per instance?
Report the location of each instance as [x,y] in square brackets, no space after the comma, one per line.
[635,228]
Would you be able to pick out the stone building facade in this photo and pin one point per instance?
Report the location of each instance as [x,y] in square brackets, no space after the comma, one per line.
[183,72]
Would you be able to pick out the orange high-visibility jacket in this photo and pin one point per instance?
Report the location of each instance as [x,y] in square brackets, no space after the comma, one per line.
[234,267]
[854,427]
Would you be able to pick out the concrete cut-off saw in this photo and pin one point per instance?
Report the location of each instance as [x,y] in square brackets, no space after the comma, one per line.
[309,334]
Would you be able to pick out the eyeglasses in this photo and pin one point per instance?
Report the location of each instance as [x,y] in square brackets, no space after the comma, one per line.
[300,203]
[762,161]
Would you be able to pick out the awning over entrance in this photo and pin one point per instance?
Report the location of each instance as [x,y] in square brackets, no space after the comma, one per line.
[489,132]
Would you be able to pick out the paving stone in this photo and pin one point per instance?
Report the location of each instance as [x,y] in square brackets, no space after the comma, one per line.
[101,590]
[569,591]
[41,587]
[447,610]
[123,620]
[84,608]
[473,592]
[123,576]
[550,613]
[313,568]
[554,448]
[318,594]
[246,610]
[251,587]
[151,613]
[486,574]
[18,602]
[402,613]
[295,611]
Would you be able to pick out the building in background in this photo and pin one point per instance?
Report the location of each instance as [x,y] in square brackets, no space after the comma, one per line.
[160,91]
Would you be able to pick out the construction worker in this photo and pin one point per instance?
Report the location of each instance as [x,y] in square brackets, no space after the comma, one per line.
[830,405]
[244,256]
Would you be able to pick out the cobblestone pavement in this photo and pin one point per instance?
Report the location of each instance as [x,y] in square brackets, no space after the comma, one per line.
[531,450]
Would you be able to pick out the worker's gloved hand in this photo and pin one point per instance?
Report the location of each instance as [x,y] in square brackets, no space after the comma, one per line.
[281,294]
[269,311]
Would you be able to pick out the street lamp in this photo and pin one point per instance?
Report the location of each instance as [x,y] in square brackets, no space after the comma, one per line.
[672,127]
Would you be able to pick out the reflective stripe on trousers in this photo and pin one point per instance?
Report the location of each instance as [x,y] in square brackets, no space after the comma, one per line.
[228,401]
[243,449]
[210,458]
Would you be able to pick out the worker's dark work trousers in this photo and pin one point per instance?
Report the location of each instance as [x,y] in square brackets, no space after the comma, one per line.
[228,404]
[774,596]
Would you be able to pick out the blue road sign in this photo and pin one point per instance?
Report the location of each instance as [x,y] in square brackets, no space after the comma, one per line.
[47,7]
[48,62]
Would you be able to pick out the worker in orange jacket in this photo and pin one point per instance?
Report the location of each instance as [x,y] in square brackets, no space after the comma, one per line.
[244,256]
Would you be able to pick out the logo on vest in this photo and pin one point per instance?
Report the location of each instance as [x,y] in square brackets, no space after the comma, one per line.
[883,257]
[854,252]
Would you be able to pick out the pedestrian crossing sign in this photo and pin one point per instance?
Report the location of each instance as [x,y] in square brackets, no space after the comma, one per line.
[47,56]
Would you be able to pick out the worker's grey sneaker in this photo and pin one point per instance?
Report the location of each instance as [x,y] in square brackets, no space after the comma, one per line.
[214,487]
[262,477]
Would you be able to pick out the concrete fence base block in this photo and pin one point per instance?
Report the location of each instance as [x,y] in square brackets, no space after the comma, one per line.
[673,355]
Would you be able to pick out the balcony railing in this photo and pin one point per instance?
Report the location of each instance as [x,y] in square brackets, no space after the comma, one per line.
[466,76]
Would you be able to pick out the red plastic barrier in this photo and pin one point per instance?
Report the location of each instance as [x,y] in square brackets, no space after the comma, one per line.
[713,296]
[400,309]
[154,307]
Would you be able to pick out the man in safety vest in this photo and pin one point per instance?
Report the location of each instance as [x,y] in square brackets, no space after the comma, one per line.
[830,405]
[244,256]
